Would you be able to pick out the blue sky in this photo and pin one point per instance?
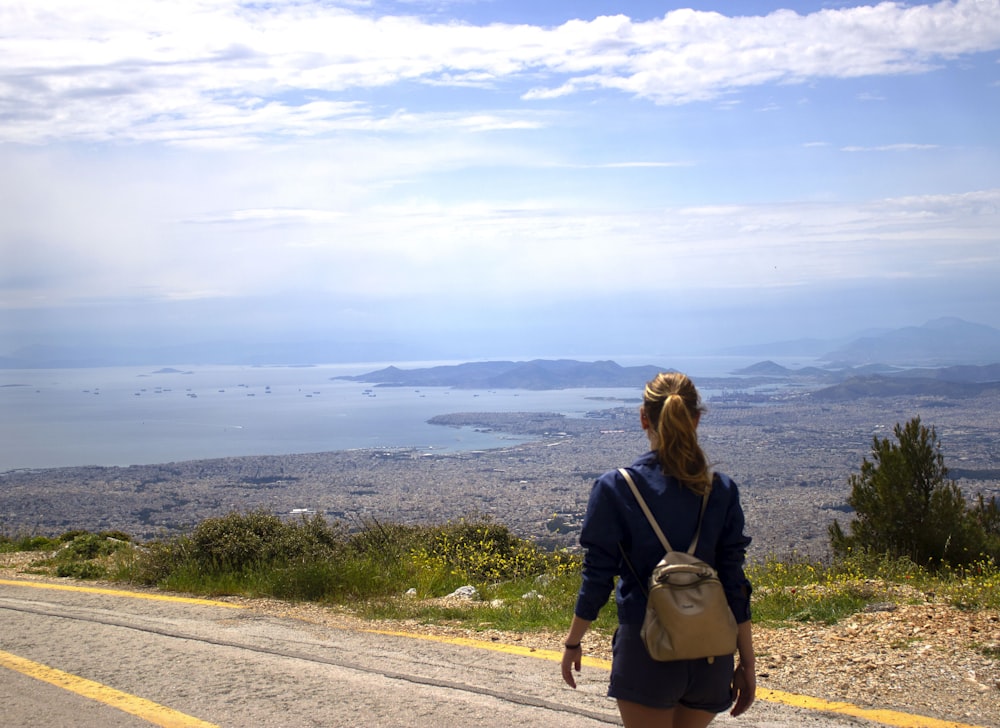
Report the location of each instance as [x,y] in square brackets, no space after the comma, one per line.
[476,179]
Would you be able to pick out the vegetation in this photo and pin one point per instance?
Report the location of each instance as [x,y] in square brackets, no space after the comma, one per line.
[392,571]
[78,554]
[786,591]
[905,506]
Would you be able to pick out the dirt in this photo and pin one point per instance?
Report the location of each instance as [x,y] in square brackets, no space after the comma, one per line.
[923,658]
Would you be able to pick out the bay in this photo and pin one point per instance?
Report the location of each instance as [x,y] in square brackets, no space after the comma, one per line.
[119,416]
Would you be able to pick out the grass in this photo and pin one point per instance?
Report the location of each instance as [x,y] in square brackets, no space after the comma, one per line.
[393,571]
[788,591]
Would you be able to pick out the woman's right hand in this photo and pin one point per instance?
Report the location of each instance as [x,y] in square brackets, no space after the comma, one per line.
[571,660]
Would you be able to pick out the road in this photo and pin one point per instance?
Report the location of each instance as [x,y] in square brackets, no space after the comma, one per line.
[72,656]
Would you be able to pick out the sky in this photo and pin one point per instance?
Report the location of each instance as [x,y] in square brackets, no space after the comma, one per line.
[460,179]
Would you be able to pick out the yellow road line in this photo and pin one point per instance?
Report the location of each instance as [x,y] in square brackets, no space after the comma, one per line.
[120,593]
[494,646]
[886,717]
[893,718]
[146,709]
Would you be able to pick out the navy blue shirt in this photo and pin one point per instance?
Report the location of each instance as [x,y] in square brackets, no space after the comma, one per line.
[614,517]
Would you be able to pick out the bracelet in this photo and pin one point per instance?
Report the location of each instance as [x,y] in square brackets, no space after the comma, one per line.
[568,646]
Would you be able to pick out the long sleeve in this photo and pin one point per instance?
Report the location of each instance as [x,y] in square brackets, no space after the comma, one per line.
[731,555]
[619,541]
[600,535]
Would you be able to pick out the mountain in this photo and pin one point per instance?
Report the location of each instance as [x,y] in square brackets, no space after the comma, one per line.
[766,369]
[772,369]
[537,374]
[941,342]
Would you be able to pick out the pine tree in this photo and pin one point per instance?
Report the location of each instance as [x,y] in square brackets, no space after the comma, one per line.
[905,505]
[987,514]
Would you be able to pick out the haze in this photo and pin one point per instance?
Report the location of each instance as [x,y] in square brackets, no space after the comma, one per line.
[404,180]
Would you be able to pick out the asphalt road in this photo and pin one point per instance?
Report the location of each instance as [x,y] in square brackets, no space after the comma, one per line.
[110,659]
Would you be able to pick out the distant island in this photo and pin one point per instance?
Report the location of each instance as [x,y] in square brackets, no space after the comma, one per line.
[839,384]
[538,374]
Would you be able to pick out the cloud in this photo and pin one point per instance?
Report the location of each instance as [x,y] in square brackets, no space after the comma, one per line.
[279,215]
[187,157]
[220,73]
[631,165]
[316,219]
[891,148]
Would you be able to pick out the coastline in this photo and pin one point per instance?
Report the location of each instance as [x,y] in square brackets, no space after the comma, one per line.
[791,460]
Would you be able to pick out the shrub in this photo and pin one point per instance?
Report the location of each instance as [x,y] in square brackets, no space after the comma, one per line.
[82,570]
[28,543]
[86,555]
[905,506]
[89,546]
[480,552]
[236,541]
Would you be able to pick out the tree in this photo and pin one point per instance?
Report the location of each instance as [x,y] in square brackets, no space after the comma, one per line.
[987,516]
[905,506]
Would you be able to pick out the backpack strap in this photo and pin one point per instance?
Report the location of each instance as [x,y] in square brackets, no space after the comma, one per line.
[652,520]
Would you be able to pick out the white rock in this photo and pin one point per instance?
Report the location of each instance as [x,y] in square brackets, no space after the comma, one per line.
[465,592]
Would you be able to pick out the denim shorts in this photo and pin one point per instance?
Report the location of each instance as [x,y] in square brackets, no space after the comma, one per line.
[695,684]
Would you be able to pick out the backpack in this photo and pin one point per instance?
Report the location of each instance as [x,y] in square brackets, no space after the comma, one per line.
[687,614]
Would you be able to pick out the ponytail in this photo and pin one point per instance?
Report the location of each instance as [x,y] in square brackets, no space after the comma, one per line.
[672,407]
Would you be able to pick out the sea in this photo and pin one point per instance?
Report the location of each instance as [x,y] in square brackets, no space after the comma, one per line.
[119,416]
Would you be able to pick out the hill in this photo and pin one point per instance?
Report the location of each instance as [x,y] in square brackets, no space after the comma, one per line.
[897,386]
[944,341]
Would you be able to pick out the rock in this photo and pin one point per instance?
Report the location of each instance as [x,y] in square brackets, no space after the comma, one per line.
[881,607]
[468,592]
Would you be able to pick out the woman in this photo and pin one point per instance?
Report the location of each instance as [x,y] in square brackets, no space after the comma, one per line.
[619,541]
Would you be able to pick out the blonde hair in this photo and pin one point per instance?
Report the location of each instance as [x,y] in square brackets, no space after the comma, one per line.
[672,407]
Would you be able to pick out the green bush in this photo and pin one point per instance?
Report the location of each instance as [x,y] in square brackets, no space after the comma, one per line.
[237,541]
[251,553]
[89,546]
[82,570]
[905,506]
[28,543]
[480,552]
[85,555]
